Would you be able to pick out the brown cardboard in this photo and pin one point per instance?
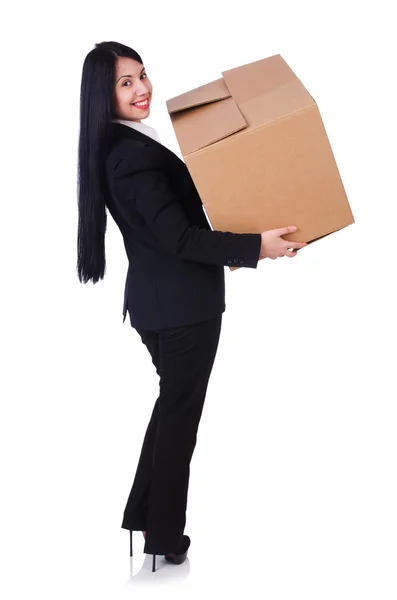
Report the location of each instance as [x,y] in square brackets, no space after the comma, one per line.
[258,153]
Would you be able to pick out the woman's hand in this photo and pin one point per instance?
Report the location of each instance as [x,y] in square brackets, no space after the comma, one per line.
[273,246]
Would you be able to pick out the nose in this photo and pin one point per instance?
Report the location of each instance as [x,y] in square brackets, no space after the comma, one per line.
[142,91]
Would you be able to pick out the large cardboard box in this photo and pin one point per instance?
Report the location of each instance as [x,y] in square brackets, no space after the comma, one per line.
[258,153]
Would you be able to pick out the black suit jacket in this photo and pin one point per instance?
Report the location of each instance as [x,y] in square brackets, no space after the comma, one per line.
[176,261]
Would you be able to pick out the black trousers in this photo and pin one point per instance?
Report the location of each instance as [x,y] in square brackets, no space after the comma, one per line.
[183,357]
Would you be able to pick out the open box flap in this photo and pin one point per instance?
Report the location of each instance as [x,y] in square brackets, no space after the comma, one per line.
[204,116]
[210,92]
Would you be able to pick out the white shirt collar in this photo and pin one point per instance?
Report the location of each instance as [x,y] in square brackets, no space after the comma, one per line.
[142,127]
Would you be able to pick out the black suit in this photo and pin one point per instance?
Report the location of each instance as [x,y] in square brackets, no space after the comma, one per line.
[175,293]
[176,262]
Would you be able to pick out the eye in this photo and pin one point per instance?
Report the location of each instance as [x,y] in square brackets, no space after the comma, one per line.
[128,81]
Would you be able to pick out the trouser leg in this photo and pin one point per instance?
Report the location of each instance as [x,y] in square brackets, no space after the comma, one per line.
[187,355]
[184,358]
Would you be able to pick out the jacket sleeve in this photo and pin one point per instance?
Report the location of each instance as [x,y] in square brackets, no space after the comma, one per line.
[141,185]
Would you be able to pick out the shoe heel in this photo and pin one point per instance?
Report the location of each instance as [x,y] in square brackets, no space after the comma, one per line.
[154,563]
[130,542]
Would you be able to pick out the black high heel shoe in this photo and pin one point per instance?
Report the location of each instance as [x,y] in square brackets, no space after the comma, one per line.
[180,556]
[177,557]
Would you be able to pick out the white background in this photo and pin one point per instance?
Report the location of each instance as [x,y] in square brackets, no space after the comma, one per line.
[293,481]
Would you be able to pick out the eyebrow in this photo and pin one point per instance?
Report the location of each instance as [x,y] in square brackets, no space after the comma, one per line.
[130,75]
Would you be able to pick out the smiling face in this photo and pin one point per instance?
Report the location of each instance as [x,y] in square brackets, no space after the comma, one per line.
[132,85]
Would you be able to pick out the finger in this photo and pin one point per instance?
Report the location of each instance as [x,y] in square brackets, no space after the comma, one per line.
[296,244]
[285,230]
[291,252]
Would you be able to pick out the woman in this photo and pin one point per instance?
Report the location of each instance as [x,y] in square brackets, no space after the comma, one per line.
[175,289]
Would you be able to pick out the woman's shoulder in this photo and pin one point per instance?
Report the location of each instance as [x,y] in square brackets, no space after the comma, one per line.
[129,155]
[122,148]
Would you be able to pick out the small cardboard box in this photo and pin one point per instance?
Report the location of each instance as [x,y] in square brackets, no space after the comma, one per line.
[258,153]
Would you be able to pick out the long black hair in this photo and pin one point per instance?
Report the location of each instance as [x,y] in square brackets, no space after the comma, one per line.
[96,114]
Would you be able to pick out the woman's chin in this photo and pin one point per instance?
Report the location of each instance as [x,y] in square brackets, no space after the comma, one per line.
[142,113]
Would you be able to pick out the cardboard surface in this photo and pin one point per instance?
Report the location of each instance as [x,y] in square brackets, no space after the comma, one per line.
[258,153]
